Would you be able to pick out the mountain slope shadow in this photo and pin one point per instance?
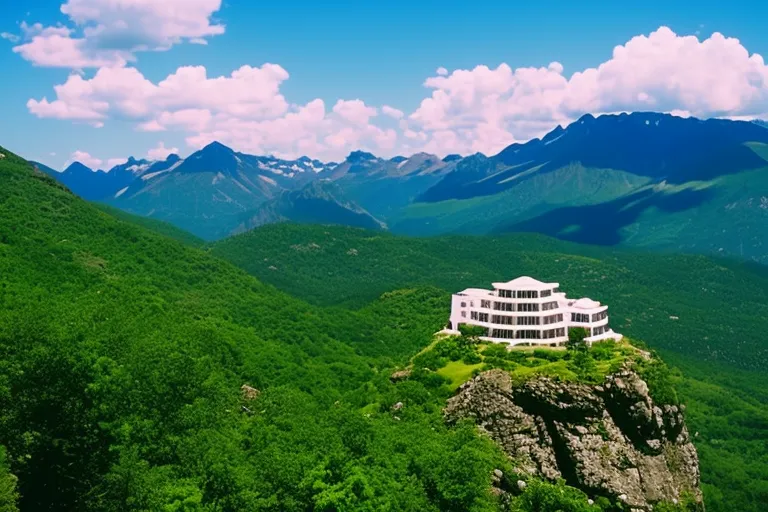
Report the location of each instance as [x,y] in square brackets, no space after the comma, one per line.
[601,224]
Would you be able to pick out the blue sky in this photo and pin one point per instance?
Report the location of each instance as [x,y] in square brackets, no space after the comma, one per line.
[378,52]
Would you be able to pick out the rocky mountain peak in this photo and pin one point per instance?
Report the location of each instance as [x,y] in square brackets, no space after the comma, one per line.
[77,167]
[217,146]
[360,156]
[609,440]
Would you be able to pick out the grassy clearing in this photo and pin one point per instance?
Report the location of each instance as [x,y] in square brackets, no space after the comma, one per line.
[457,360]
[458,372]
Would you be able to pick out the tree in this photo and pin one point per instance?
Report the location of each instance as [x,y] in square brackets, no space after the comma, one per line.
[470,334]
[8,493]
[576,337]
[584,364]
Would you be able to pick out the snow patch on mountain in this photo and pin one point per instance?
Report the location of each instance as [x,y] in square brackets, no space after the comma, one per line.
[140,168]
[217,178]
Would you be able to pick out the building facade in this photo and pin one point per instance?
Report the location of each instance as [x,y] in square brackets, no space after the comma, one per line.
[528,311]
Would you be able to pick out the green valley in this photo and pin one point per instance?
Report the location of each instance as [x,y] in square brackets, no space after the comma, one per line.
[705,316]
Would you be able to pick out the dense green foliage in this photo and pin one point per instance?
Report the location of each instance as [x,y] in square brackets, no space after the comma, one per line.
[8,494]
[123,353]
[571,186]
[706,316]
[158,226]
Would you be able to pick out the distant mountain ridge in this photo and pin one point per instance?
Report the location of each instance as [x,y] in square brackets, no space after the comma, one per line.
[657,146]
[320,202]
[645,178]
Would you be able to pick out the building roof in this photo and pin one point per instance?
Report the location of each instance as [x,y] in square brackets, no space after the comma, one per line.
[476,292]
[585,303]
[525,283]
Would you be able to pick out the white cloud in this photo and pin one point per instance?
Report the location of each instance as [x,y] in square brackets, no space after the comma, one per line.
[54,47]
[304,130]
[354,111]
[92,162]
[110,32]
[186,98]
[84,158]
[9,37]
[441,71]
[392,112]
[111,162]
[485,109]
[160,152]
[468,110]
[245,109]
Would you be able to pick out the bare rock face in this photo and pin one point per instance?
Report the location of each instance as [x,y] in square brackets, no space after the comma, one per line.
[609,440]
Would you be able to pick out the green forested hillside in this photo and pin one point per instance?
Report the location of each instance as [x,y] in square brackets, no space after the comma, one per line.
[533,194]
[320,202]
[706,316]
[725,216]
[699,304]
[123,354]
[158,226]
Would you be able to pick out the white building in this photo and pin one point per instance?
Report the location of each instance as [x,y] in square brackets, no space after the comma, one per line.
[527,311]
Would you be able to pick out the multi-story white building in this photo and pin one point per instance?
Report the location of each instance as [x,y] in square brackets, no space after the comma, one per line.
[527,311]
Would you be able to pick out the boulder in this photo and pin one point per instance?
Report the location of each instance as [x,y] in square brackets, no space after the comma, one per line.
[249,393]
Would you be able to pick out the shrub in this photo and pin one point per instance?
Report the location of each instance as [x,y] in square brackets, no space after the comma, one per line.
[472,358]
[549,355]
[495,350]
[576,337]
[604,350]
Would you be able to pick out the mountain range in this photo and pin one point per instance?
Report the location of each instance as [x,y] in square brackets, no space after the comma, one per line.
[643,179]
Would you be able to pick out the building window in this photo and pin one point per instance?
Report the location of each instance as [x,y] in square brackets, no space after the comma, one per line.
[599,316]
[471,303]
[503,333]
[549,305]
[483,317]
[504,293]
[546,293]
[527,294]
[485,304]
[527,307]
[463,314]
[548,334]
[503,306]
[528,320]
[527,334]
[473,315]
[580,318]
[463,304]
[503,319]
[553,319]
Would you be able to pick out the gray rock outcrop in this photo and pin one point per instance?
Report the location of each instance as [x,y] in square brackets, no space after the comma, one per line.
[608,440]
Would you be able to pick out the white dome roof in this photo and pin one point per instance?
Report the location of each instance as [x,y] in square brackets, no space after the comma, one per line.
[525,283]
[585,303]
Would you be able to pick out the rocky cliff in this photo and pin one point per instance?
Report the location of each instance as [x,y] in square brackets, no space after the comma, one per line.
[609,440]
